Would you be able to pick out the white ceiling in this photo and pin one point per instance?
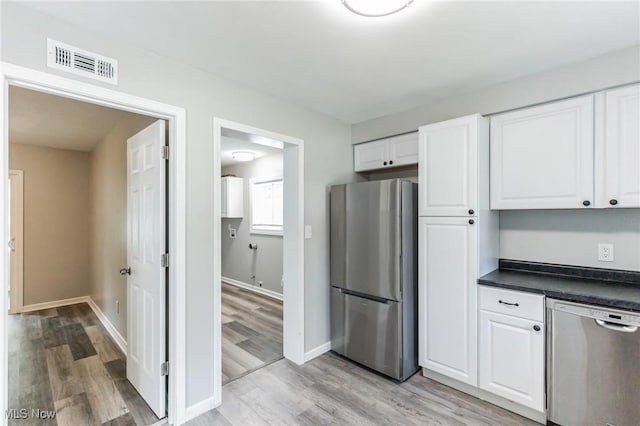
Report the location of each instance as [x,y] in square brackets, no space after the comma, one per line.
[320,56]
[233,141]
[37,118]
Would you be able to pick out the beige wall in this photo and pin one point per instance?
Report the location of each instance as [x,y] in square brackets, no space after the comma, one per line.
[108,223]
[56,221]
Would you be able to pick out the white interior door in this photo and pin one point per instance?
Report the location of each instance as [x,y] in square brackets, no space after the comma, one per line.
[146,243]
[16,241]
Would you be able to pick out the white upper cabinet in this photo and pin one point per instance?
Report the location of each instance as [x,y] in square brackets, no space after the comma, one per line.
[542,157]
[448,169]
[403,150]
[395,151]
[618,148]
[232,197]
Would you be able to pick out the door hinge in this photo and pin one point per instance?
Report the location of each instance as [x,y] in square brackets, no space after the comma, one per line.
[164,260]
[164,368]
[164,152]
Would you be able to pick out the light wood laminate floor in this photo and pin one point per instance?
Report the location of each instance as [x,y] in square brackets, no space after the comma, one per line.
[332,390]
[63,359]
[251,331]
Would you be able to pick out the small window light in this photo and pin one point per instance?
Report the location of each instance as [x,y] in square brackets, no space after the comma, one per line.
[376,8]
[243,156]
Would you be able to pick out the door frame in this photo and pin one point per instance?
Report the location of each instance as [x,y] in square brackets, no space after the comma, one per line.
[293,247]
[16,298]
[14,75]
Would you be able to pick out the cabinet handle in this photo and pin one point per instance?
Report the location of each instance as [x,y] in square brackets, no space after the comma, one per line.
[508,303]
[613,201]
[390,162]
[385,163]
[471,222]
[536,328]
[471,211]
[586,203]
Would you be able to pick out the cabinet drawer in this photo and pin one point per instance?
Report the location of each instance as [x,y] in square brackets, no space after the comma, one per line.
[514,303]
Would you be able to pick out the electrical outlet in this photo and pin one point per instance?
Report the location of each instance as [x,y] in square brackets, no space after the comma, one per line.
[605,252]
[117,306]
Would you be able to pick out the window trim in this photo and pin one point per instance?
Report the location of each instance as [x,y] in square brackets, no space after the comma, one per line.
[277,232]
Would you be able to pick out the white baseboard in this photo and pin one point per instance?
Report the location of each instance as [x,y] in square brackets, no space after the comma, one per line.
[55,304]
[316,352]
[269,293]
[111,329]
[117,337]
[200,408]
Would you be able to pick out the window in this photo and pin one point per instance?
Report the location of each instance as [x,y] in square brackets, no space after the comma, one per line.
[266,206]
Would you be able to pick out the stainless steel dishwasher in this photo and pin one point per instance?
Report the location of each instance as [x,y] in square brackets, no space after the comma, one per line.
[593,365]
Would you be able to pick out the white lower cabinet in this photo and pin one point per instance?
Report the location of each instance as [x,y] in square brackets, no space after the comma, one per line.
[447,293]
[511,346]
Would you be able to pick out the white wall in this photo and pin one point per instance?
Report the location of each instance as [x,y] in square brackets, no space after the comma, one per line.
[327,161]
[238,261]
[613,69]
[567,236]
[56,221]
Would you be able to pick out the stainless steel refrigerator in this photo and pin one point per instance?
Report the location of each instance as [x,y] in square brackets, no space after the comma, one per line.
[374,275]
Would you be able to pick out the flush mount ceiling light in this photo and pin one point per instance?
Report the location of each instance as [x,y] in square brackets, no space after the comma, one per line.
[243,156]
[376,8]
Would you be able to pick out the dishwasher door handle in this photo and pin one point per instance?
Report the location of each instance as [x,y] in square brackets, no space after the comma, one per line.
[617,327]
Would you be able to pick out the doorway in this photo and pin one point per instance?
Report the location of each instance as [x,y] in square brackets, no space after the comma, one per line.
[94,182]
[15,76]
[252,235]
[292,283]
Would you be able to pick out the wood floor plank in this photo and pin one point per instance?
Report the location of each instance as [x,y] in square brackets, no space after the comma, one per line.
[124,420]
[64,380]
[78,340]
[103,344]
[138,409]
[74,410]
[105,399]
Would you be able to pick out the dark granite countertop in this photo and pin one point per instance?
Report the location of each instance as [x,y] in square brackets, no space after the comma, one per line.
[604,287]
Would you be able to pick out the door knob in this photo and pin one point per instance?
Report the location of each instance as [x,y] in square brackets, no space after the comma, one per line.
[613,202]
[586,203]
[536,328]
[471,222]
[125,271]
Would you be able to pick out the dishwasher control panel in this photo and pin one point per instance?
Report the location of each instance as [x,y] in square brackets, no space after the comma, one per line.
[613,316]
[616,317]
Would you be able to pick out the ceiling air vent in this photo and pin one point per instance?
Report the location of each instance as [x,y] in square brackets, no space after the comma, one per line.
[61,56]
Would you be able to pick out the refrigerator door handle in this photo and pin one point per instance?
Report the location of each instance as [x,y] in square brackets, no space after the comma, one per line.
[362,296]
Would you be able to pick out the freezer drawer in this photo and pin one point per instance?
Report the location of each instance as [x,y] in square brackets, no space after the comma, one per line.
[367,331]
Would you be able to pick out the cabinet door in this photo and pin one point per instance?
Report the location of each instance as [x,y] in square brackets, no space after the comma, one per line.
[370,156]
[511,358]
[224,194]
[448,181]
[447,293]
[618,177]
[542,157]
[403,150]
